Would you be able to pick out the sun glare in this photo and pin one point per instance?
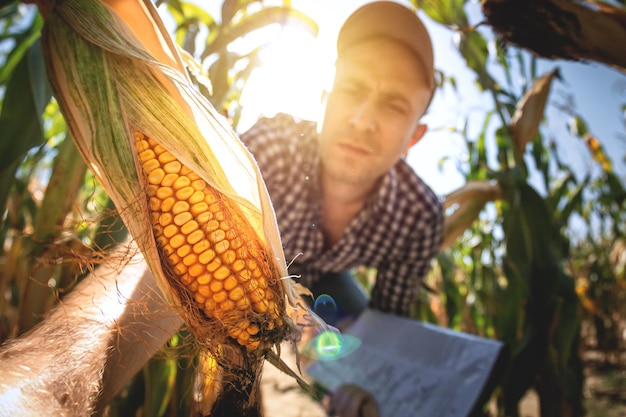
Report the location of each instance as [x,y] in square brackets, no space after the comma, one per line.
[294,73]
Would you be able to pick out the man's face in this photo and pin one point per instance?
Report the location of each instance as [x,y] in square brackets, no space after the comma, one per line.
[372,113]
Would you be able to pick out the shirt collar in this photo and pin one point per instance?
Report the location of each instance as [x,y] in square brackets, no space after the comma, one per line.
[386,194]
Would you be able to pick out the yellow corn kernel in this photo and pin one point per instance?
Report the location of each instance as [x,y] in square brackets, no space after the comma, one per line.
[222,246]
[196,197]
[252,329]
[184,193]
[156,176]
[236,294]
[182,218]
[190,259]
[203,279]
[243,304]
[180,207]
[204,291]
[183,251]
[168,179]
[166,157]
[221,273]
[172,167]
[168,204]
[189,227]
[164,192]
[216,286]
[206,256]
[220,296]
[237,264]
[170,230]
[177,241]
[195,237]
[230,283]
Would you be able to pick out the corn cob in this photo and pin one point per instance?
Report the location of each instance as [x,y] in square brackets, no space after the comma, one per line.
[210,248]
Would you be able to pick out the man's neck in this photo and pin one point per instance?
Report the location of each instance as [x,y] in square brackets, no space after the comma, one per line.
[341,202]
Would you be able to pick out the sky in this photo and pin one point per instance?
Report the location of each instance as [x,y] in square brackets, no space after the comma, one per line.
[299,66]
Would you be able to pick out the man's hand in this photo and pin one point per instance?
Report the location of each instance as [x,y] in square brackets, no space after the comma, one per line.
[351,401]
[89,346]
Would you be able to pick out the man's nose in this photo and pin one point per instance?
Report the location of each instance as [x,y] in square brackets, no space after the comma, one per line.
[363,116]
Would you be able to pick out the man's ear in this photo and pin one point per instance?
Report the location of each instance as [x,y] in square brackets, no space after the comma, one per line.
[420,130]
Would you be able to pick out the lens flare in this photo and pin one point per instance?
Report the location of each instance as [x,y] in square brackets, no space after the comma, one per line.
[330,345]
[326,308]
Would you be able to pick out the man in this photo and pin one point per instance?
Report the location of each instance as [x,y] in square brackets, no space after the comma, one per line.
[343,194]
[344,197]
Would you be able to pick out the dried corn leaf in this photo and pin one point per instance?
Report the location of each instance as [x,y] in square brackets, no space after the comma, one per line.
[466,204]
[529,111]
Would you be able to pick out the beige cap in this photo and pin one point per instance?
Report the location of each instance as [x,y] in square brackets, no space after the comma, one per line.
[392,20]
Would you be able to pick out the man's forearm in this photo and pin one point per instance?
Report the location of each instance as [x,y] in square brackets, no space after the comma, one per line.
[88,348]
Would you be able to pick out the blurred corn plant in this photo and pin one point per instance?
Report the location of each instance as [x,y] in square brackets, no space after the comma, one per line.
[510,275]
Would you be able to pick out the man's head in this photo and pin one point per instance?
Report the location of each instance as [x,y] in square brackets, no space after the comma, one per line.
[384,82]
[386,19]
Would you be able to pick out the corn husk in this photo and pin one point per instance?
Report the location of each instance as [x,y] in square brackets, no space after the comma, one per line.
[108,85]
[114,70]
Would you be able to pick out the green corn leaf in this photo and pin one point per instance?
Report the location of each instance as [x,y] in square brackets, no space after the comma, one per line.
[160,378]
[26,97]
[447,12]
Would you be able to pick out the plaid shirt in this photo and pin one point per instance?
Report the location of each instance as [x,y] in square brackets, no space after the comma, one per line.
[398,231]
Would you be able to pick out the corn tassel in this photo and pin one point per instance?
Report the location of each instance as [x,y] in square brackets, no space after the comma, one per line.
[188,191]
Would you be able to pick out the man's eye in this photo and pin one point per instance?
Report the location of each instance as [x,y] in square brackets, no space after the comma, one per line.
[395,108]
[348,90]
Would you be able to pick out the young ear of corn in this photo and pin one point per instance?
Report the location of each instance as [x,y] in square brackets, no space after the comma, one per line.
[187,189]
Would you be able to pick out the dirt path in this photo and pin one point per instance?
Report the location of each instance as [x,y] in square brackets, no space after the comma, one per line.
[282,396]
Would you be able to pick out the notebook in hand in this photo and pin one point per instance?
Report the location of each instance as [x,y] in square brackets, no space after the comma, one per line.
[415,369]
